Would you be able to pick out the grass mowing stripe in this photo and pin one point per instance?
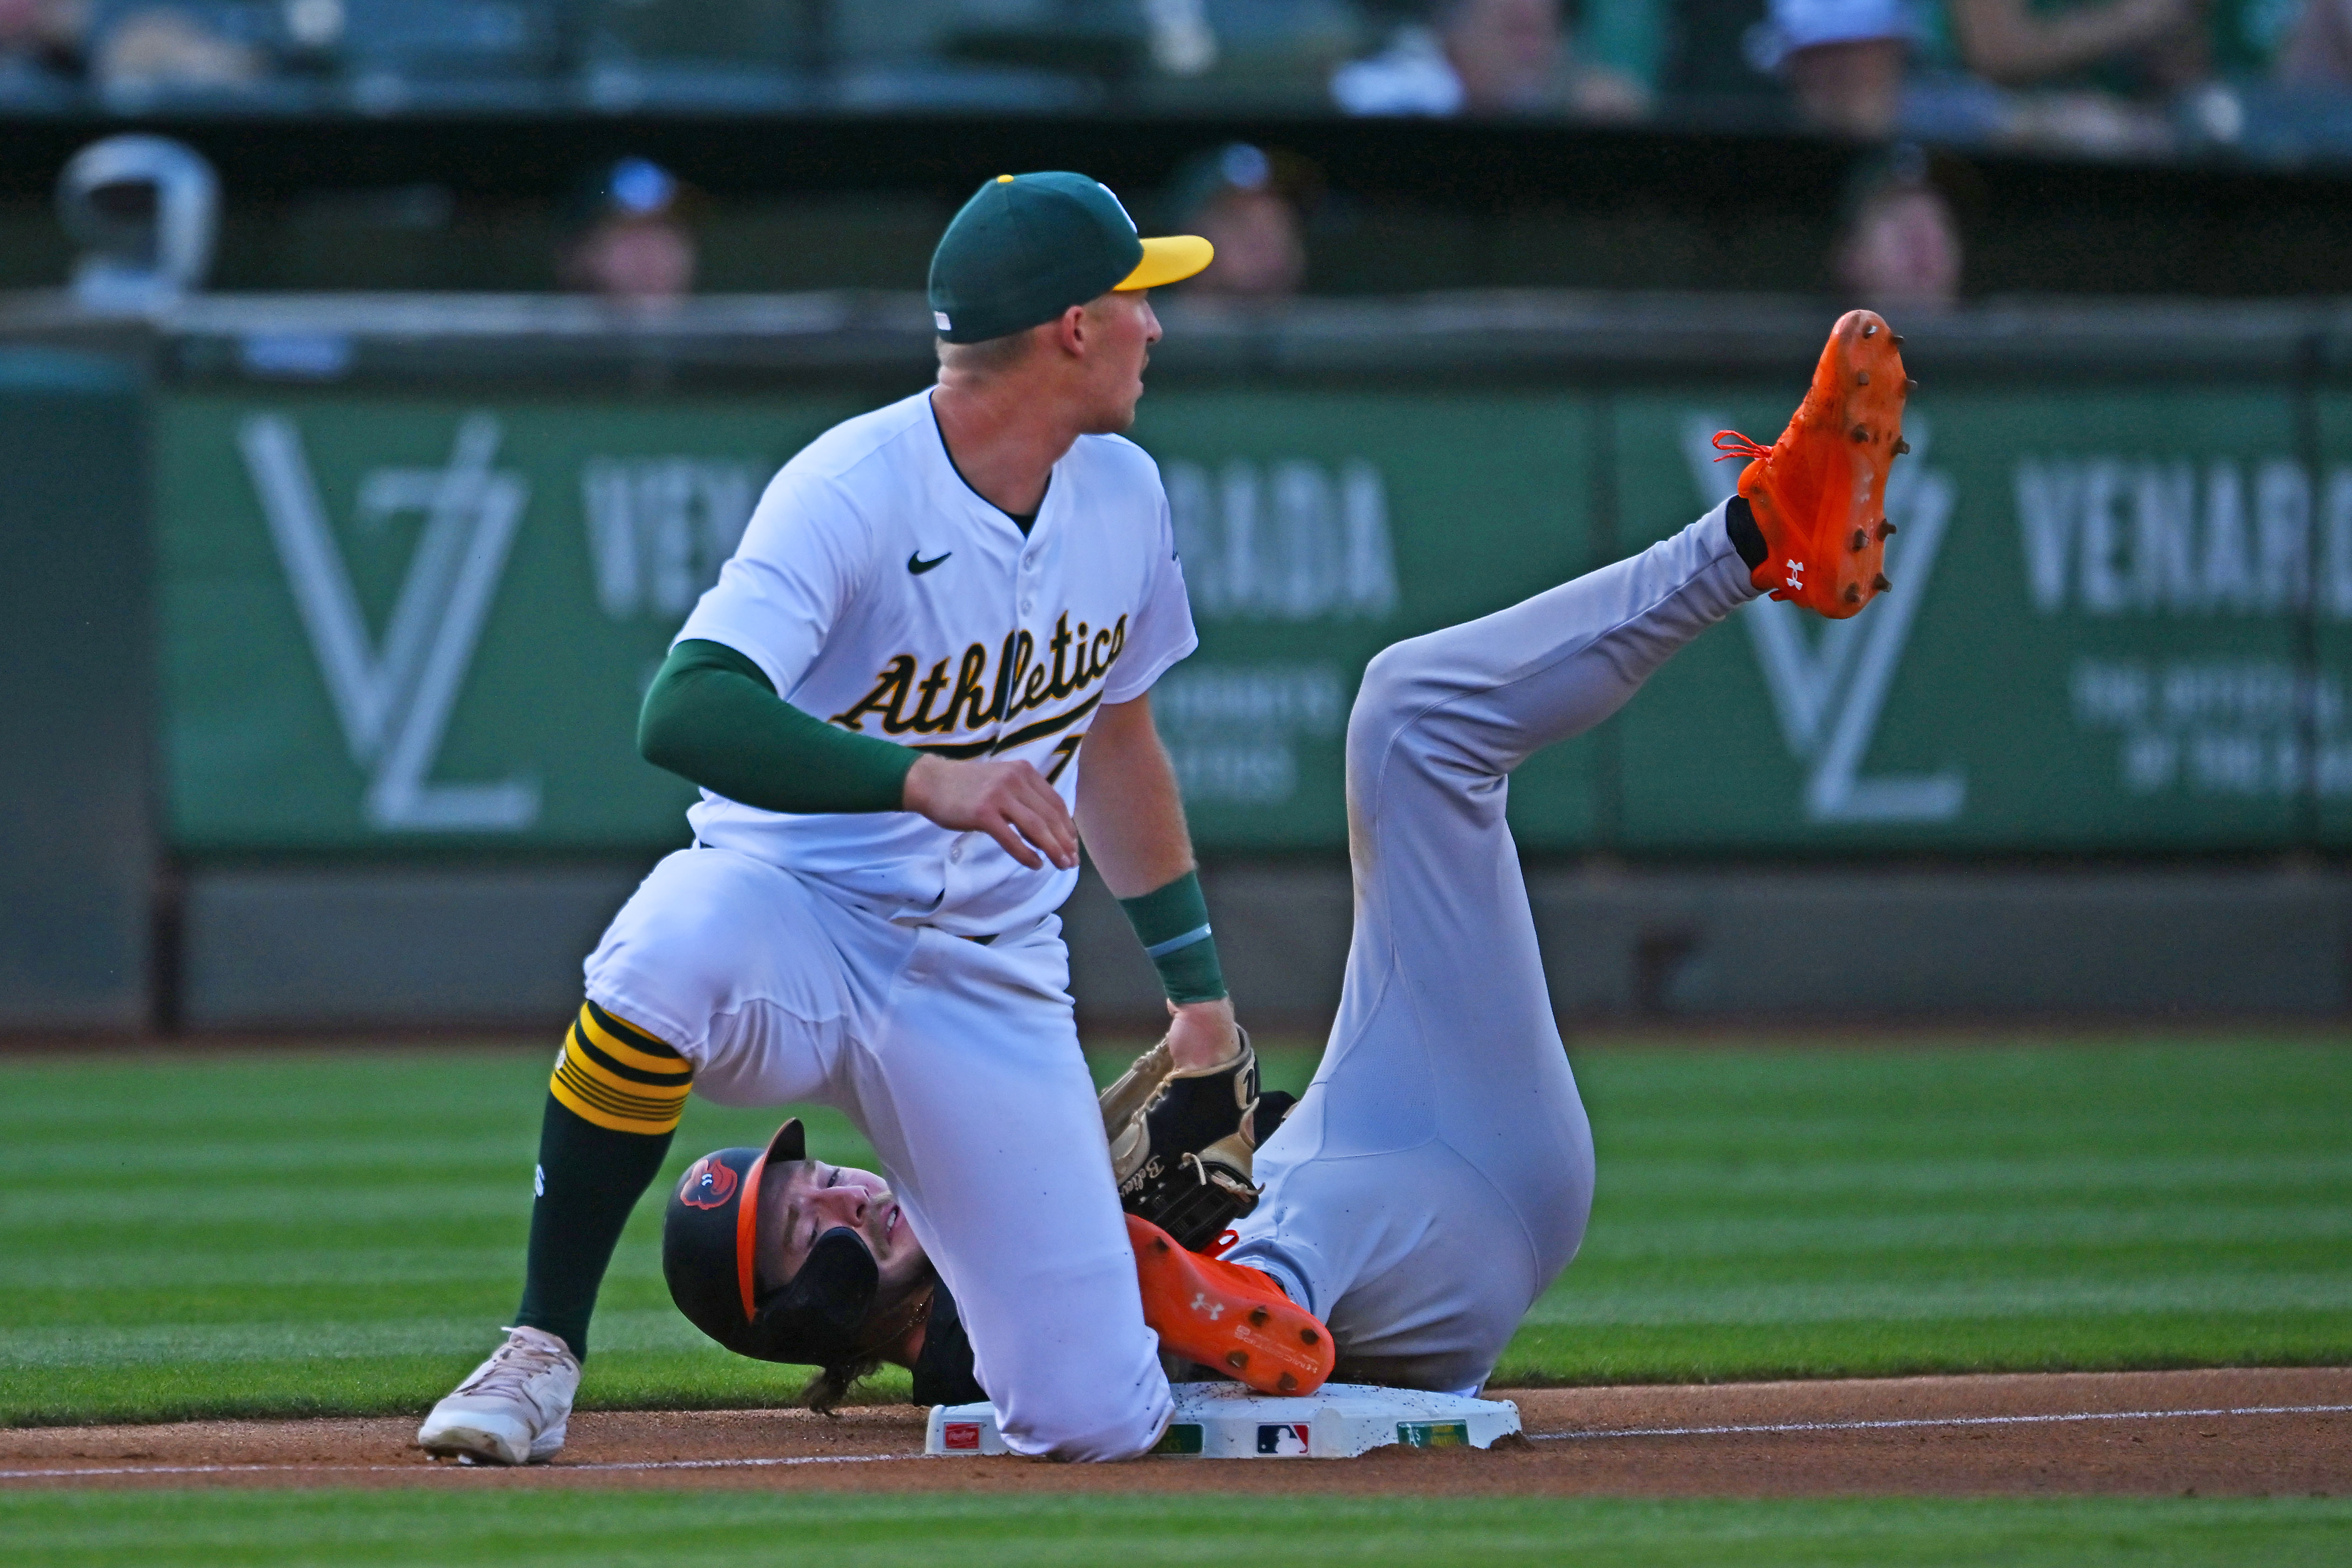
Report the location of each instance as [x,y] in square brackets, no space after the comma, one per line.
[344,1230]
[526,1530]
[1715,1235]
[1846,1301]
[621,1328]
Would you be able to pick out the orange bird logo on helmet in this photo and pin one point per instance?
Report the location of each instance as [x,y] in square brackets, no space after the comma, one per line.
[709,1182]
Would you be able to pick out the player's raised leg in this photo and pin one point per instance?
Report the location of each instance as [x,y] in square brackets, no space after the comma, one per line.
[1438,1174]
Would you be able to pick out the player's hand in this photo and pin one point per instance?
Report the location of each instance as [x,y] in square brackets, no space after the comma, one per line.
[1202,1034]
[1009,802]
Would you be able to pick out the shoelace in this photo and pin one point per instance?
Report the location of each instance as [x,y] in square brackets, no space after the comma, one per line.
[1740,446]
[512,1366]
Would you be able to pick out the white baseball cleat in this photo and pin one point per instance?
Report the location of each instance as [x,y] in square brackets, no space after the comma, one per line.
[513,1409]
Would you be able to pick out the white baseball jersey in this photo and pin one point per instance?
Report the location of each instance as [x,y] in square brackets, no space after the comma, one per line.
[880,592]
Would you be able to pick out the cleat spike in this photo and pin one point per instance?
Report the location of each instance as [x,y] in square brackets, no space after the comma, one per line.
[1886,528]
[1257,1317]
[1861,433]
[1898,340]
[1861,540]
[1869,329]
[1879,584]
[1237,1359]
[1853,592]
[1310,1337]
[1285,1383]
[1910,385]
[1862,378]
[1901,447]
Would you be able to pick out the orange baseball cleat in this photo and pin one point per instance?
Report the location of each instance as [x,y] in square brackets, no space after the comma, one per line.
[1818,493]
[1225,1316]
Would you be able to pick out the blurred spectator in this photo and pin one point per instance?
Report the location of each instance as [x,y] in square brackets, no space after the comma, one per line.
[1247,203]
[2318,52]
[164,47]
[1844,61]
[633,245]
[42,38]
[1485,57]
[2129,47]
[2101,76]
[1898,242]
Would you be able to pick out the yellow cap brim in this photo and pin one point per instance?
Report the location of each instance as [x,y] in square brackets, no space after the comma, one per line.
[1169,260]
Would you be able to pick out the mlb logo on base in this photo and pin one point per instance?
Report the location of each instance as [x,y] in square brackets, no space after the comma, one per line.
[961,1436]
[1281,1437]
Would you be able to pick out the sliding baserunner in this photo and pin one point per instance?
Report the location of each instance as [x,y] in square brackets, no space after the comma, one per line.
[1437,1176]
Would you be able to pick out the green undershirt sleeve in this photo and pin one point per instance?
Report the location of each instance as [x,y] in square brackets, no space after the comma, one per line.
[1173,924]
[712,716]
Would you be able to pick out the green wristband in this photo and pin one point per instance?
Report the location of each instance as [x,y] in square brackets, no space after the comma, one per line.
[1173,924]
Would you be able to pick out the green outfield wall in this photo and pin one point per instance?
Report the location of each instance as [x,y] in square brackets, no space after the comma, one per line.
[409,603]
[330,616]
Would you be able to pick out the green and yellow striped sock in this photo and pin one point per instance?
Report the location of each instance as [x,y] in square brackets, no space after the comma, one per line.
[612,1105]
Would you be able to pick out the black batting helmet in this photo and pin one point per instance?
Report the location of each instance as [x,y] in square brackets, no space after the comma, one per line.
[711,1244]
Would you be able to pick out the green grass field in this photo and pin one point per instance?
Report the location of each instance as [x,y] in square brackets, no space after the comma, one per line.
[343,1231]
[565,1529]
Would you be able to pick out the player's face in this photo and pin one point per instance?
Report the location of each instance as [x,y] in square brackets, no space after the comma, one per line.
[818,1197]
[1121,329]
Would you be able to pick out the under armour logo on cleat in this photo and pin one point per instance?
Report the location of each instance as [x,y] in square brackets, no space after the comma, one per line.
[1207,1309]
[1796,574]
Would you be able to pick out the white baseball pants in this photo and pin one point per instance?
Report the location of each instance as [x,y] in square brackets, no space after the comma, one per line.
[960,1063]
[1437,1176]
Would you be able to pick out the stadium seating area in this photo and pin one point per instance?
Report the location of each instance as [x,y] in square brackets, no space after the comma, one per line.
[2268,81]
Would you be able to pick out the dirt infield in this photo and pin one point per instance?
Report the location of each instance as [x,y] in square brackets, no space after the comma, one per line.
[2219,1432]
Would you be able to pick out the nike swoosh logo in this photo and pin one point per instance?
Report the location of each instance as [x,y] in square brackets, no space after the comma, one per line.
[917,565]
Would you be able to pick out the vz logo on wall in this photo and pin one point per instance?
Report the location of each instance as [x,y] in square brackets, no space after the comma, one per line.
[394,699]
[1829,689]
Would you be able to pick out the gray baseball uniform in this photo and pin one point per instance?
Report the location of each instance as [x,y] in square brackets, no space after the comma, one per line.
[1437,1176]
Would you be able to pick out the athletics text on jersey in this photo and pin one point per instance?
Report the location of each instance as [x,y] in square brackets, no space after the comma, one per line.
[1023,682]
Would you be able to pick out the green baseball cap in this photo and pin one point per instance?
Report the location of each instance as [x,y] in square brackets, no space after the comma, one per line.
[1026,247]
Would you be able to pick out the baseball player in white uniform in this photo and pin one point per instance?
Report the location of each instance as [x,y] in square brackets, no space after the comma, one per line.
[922,678]
[1437,1176]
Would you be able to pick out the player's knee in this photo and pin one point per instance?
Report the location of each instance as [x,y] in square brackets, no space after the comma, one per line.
[1384,698]
[1400,715]
[1126,1429]
[679,965]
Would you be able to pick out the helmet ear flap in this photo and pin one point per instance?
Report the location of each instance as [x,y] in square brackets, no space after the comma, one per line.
[836,1281]
[814,1316]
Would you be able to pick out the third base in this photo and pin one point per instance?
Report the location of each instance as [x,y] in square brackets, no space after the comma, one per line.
[1226,1421]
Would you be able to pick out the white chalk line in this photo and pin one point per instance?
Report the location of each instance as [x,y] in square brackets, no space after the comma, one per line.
[444,1469]
[1759,1428]
[1778,1426]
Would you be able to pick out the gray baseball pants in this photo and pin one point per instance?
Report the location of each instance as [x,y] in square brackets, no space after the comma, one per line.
[1437,1176]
